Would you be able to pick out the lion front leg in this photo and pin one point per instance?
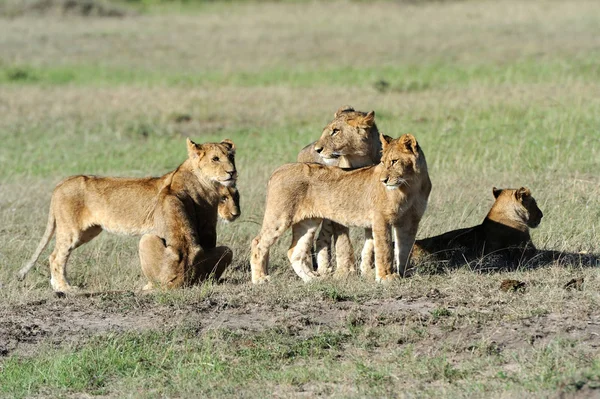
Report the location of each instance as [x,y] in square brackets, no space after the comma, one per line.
[383,258]
[211,264]
[404,239]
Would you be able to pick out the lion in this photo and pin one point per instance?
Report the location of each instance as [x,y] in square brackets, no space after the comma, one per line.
[178,207]
[229,203]
[503,232]
[350,140]
[167,262]
[392,193]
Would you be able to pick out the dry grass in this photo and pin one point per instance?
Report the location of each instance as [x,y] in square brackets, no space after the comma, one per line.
[509,98]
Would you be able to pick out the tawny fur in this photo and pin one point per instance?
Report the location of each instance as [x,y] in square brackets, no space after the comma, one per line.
[180,207]
[392,193]
[350,140]
[503,232]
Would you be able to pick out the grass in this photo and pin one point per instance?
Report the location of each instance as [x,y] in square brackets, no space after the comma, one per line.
[495,98]
[276,362]
[396,78]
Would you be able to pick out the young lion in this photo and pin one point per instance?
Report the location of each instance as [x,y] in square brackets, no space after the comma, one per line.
[166,261]
[503,232]
[392,193]
[229,204]
[350,140]
[178,206]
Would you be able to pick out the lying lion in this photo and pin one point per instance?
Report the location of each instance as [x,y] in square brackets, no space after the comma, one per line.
[392,193]
[180,207]
[504,232]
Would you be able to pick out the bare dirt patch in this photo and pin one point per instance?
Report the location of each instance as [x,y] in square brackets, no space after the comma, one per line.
[24,328]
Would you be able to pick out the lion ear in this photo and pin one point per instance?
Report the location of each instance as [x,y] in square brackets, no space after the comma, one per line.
[193,149]
[410,143]
[229,145]
[522,192]
[496,191]
[385,141]
[369,119]
[342,109]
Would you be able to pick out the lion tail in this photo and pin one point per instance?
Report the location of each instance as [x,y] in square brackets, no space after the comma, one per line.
[50,227]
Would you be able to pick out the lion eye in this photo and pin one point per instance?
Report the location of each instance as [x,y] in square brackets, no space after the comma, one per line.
[334,131]
[394,161]
[224,199]
[215,159]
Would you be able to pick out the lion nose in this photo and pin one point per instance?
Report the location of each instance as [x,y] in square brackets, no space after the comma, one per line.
[318,149]
[384,180]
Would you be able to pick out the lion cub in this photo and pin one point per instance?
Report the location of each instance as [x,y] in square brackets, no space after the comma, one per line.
[350,140]
[180,207]
[391,193]
[504,232]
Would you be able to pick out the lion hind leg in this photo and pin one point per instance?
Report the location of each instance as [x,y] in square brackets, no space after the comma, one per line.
[300,253]
[344,252]
[159,262]
[367,261]
[259,257]
[58,263]
[323,247]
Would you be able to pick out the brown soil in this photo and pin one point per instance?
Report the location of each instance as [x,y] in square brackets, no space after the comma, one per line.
[26,327]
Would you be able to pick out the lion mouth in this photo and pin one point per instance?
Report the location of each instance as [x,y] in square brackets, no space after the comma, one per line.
[228,182]
[535,223]
[396,185]
[331,159]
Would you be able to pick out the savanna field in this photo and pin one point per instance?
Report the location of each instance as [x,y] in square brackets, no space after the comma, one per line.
[501,94]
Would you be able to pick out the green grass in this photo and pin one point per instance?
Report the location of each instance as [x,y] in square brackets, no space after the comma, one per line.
[219,362]
[397,78]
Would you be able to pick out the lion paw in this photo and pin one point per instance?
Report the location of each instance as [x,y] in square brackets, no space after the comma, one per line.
[343,273]
[148,287]
[388,278]
[67,290]
[323,271]
[261,280]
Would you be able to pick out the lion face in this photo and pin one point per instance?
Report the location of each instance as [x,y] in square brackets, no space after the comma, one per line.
[347,134]
[229,203]
[214,161]
[519,202]
[399,160]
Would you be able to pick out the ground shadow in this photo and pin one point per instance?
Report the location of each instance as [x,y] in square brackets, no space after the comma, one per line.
[511,259]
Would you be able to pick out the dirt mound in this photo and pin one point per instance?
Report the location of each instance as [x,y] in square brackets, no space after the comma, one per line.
[84,8]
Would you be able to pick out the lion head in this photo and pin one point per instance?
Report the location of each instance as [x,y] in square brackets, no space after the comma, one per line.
[350,133]
[214,161]
[229,203]
[518,205]
[402,160]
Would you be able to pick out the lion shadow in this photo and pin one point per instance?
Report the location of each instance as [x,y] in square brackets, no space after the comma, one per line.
[505,260]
